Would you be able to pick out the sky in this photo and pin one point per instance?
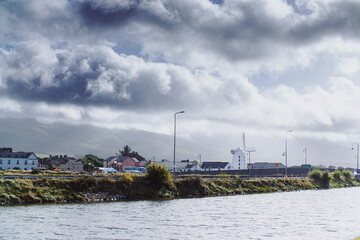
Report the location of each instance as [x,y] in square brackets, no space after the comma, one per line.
[87,76]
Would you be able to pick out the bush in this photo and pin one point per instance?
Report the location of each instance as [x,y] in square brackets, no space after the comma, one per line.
[320,178]
[127,179]
[337,175]
[325,179]
[315,175]
[347,175]
[158,174]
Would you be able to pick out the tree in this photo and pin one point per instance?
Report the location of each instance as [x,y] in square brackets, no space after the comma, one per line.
[127,151]
[91,161]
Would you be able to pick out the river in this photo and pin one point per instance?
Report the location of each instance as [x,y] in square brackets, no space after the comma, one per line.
[314,214]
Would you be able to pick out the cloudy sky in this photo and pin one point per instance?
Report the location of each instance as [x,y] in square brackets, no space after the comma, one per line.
[80,76]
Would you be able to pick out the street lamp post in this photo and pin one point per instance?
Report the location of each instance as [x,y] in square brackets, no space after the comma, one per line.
[286,167]
[175,139]
[357,154]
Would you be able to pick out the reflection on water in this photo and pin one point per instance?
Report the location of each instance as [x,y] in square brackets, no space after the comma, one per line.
[325,214]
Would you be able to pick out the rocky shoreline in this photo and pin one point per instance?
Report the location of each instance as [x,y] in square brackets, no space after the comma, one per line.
[103,197]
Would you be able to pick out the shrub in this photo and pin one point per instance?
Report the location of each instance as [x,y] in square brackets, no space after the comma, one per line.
[315,175]
[337,175]
[320,178]
[347,175]
[158,174]
[127,179]
[325,179]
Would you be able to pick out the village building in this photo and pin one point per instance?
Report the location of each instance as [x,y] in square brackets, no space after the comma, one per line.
[238,161]
[216,166]
[17,160]
[71,164]
[110,161]
[119,163]
[169,165]
[194,166]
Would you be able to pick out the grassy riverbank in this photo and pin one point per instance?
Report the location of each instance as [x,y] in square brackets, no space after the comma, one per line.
[157,184]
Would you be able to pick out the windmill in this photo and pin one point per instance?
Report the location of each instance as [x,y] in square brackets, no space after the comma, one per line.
[248,150]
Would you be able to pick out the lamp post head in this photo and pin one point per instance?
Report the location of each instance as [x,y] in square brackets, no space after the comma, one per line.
[180,112]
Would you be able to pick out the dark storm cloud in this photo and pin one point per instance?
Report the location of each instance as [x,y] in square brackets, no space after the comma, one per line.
[114,14]
[73,63]
[93,14]
[336,19]
[91,75]
[235,30]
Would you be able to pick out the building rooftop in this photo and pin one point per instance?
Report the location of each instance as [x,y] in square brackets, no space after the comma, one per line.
[110,158]
[15,154]
[214,164]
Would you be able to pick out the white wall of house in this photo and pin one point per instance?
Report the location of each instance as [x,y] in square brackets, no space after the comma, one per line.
[238,160]
[227,167]
[22,163]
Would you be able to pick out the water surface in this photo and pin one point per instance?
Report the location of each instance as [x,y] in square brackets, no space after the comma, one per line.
[321,214]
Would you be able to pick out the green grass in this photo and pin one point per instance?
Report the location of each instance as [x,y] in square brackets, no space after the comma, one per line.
[158,184]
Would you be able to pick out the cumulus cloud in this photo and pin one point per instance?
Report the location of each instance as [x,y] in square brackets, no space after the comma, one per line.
[129,64]
[97,75]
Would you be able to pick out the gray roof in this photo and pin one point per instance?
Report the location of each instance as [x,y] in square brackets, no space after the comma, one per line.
[110,158]
[214,164]
[16,154]
[170,164]
[266,165]
[189,165]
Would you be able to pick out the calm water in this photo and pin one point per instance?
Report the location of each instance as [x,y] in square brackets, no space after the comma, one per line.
[325,214]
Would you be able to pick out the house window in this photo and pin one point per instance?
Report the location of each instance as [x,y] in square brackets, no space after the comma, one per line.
[33,163]
[17,162]
[25,162]
[8,161]
[0,161]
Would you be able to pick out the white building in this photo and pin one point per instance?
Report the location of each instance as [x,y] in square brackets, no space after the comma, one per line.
[216,166]
[21,160]
[169,165]
[238,161]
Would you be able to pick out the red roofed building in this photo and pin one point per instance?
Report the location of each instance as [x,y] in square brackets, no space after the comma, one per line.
[124,161]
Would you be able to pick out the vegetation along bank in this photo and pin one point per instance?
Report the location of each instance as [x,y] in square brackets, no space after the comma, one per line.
[156,184]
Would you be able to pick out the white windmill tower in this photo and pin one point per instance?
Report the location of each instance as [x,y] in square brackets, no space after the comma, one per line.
[248,150]
[239,156]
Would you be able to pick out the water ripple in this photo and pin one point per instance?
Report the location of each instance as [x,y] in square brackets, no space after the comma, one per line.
[329,214]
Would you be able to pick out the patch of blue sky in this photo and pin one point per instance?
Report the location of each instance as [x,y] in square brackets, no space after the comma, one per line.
[60,45]
[300,7]
[128,50]
[317,74]
[219,2]
[137,51]
[7,47]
